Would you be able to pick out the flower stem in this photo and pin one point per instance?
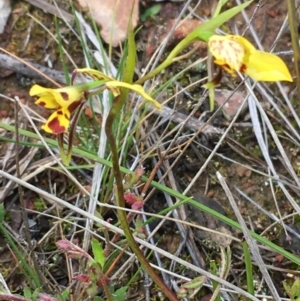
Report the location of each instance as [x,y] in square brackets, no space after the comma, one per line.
[169,60]
[116,108]
[192,37]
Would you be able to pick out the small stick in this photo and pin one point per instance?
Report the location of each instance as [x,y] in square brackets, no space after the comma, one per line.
[52,9]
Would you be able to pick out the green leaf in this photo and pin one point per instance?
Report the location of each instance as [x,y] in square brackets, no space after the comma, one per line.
[1,213]
[205,30]
[287,287]
[36,293]
[150,12]
[295,290]
[63,296]
[131,57]
[195,283]
[120,294]
[249,270]
[94,270]
[98,252]
[108,262]
[221,3]
[213,270]
[27,292]
[92,289]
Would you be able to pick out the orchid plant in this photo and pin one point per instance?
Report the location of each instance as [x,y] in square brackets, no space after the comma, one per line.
[67,99]
[231,52]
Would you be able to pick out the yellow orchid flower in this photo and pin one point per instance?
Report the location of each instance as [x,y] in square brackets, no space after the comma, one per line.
[236,54]
[114,85]
[65,100]
[136,88]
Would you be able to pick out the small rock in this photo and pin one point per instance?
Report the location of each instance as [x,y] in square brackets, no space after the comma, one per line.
[232,102]
[243,171]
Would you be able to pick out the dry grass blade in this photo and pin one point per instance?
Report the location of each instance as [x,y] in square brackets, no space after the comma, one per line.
[51,9]
[105,107]
[66,204]
[7,160]
[250,241]
[182,146]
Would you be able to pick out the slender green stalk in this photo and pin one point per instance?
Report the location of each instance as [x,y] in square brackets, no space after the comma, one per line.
[249,271]
[61,52]
[292,16]
[213,270]
[89,155]
[225,267]
[116,108]
[169,60]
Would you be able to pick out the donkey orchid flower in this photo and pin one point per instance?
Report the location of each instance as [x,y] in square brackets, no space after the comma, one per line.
[236,54]
[66,100]
[63,100]
[114,85]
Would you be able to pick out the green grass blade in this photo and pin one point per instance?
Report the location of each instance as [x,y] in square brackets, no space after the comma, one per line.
[61,53]
[131,56]
[213,270]
[92,156]
[249,271]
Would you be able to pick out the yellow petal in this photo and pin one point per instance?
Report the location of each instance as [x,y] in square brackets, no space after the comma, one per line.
[66,96]
[227,51]
[58,122]
[136,88]
[248,47]
[237,53]
[263,66]
[46,98]
[36,90]
[95,74]
[48,102]
[56,98]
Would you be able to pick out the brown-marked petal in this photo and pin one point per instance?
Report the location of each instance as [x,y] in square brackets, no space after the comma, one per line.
[58,122]
[45,97]
[235,53]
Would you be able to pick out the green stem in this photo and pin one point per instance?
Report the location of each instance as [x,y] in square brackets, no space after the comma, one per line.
[116,108]
[292,17]
[171,57]
[216,295]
